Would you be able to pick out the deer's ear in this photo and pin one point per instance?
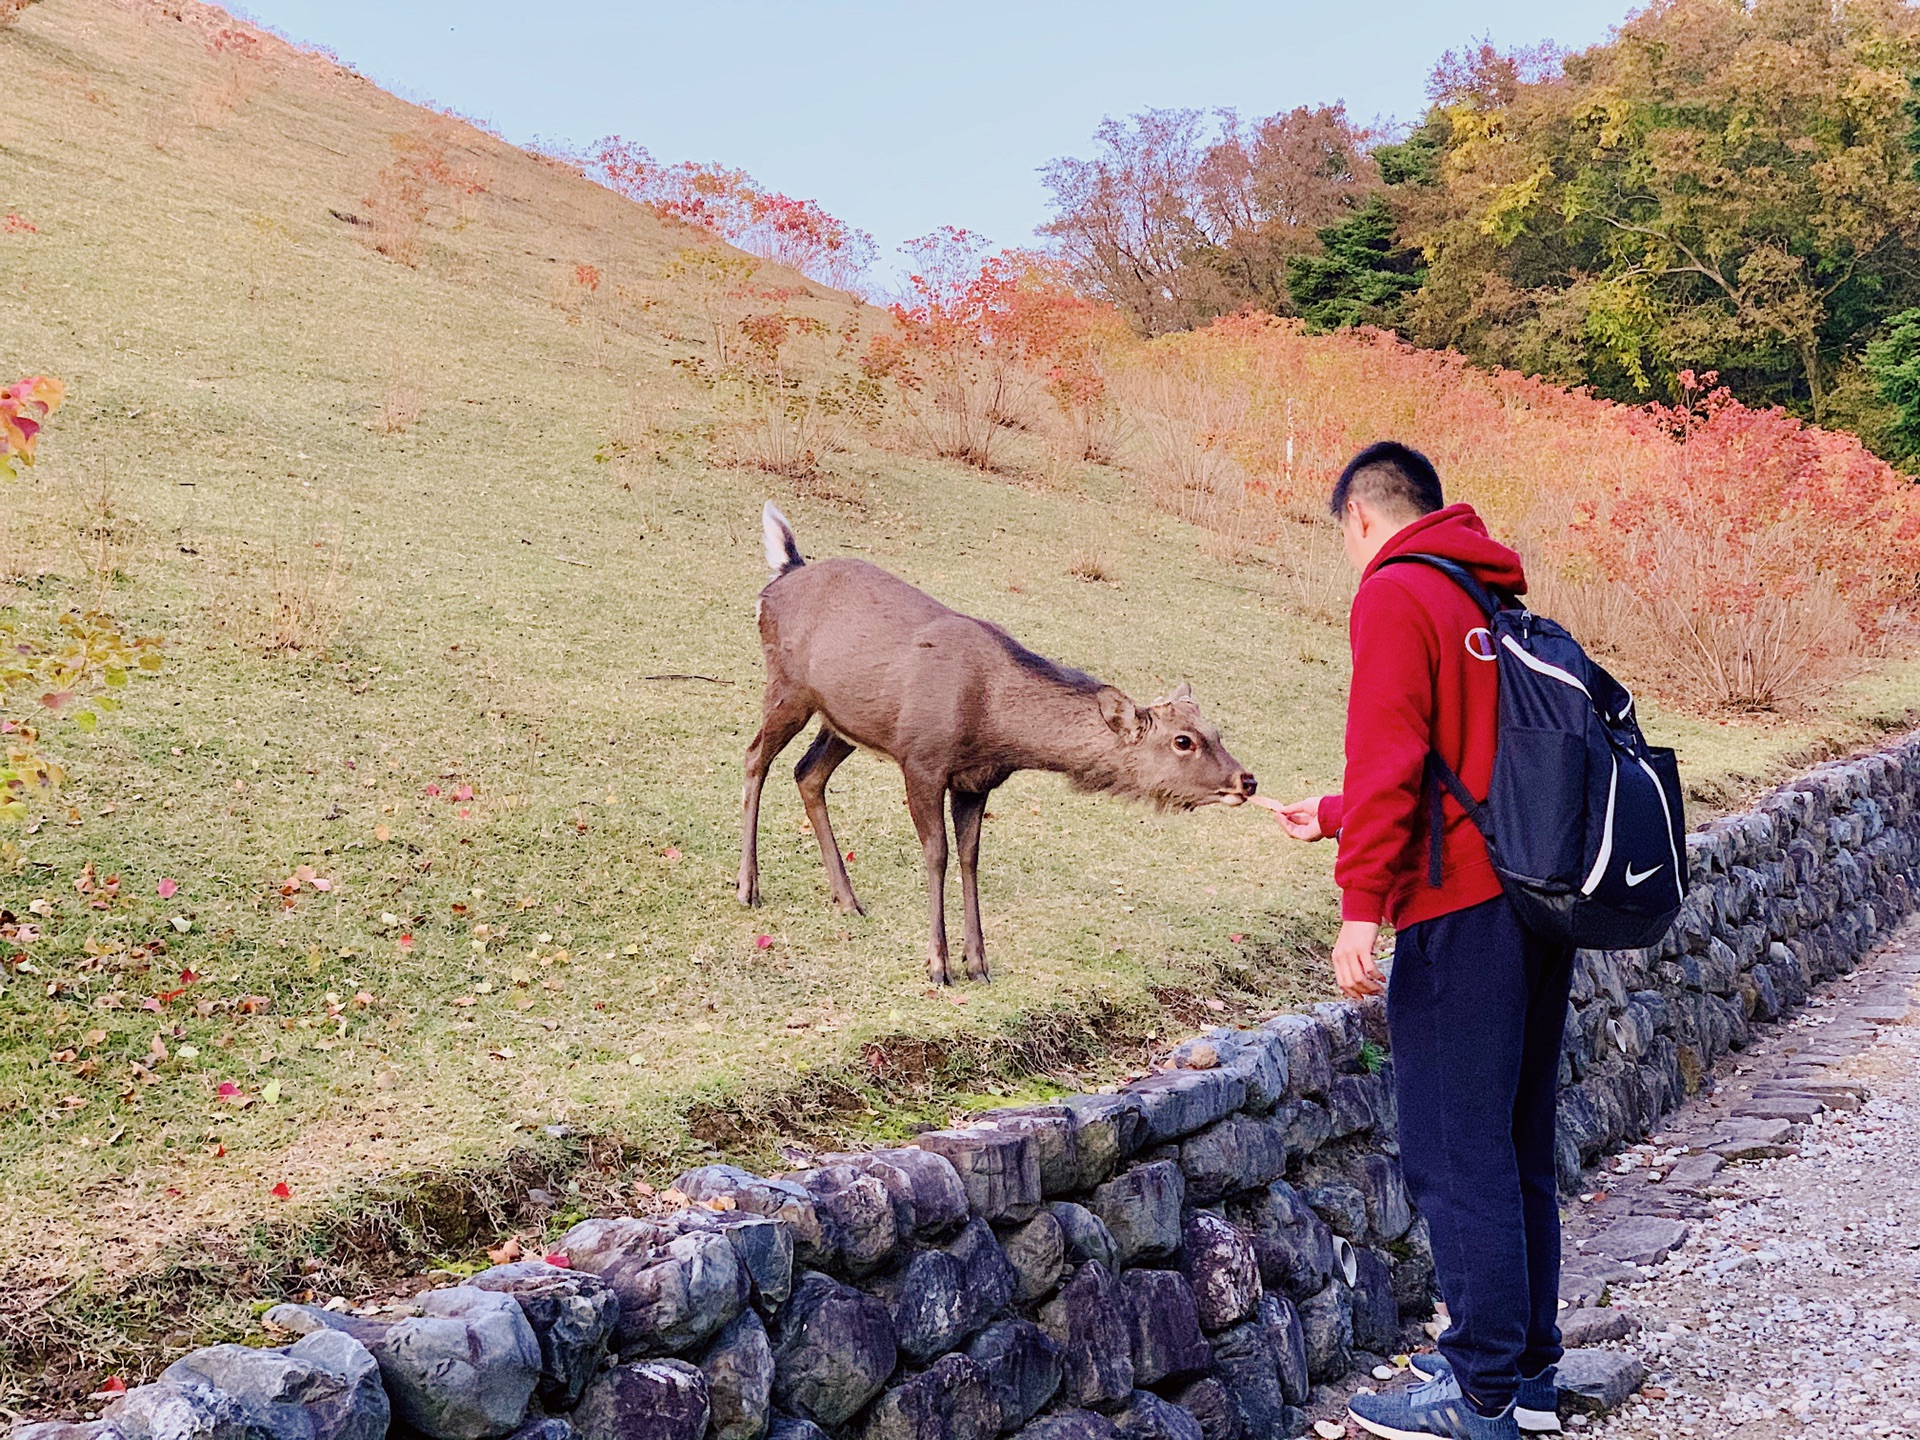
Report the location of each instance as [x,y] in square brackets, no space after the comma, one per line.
[1182,691]
[1123,717]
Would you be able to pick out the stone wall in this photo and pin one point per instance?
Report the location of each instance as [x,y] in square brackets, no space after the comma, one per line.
[1181,1260]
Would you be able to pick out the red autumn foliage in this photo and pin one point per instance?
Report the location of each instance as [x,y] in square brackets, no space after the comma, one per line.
[799,234]
[978,333]
[18,225]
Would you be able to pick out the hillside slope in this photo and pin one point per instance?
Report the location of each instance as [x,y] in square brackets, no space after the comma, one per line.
[458,613]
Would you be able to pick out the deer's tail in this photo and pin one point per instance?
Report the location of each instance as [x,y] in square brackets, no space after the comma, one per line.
[783,550]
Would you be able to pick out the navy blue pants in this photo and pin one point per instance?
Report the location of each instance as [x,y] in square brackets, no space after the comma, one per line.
[1475,1007]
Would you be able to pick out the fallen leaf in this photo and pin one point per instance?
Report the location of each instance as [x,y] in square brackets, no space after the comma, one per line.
[167,889]
[321,882]
[181,923]
[672,852]
[505,1052]
[506,1254]
[559,1259]
[270,1092]
[383,833]
[431,790]
[763,942]
[1235,940]
[282,1191]
[113,1385]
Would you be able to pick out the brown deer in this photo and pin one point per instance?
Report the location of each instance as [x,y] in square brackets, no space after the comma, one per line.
[960,705]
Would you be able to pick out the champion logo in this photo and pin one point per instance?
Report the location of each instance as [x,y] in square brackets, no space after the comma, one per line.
[1636,877]
[1480,643]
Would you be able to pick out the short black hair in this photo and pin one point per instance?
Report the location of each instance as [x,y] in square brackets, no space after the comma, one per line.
[1393,476]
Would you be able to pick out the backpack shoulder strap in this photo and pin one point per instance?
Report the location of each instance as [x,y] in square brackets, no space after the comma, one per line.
[1456,572]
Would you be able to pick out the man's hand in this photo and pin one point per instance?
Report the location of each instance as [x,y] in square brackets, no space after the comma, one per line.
[1301,819]
[1353,967]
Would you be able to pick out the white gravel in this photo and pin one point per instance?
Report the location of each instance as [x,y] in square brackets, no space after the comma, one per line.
[1794,1309]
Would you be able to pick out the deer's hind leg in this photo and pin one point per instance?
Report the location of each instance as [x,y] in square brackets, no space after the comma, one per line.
[783,718]
[816,767]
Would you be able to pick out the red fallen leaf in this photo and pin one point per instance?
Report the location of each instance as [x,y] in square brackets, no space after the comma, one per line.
[113,1385]
[849,857]
[173,1194]
[406,942]
[465,792]
[762,942]
[432,790]
[282,1191]
[464,812]
[672,852]
[167,997]
[559,1259]
[227,1088]
[187,977]
[167,889]
[218,1151]
[1235,939]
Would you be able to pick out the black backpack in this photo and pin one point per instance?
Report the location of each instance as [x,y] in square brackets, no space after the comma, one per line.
[1583,818]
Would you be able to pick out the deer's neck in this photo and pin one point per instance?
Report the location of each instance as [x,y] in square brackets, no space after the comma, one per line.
[1065,733]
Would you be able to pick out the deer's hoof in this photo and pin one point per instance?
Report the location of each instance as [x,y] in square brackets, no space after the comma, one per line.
[748,894]
[977,970]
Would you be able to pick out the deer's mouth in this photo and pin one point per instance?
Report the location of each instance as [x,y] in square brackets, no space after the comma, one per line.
[1228,798]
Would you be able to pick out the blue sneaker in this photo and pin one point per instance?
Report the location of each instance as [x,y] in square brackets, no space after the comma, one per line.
[1434,1407]
[1536,1408]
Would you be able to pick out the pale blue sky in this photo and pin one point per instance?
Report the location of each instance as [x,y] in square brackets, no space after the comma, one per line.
[899,117]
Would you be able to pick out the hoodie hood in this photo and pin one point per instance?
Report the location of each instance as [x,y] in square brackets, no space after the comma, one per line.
[1456,533]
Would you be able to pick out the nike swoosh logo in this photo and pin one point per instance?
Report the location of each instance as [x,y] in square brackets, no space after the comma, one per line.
[1633,879]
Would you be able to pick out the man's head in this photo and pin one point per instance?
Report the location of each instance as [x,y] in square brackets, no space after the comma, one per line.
[1384,489]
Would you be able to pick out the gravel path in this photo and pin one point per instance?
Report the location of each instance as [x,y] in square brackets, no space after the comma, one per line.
[1792,1306]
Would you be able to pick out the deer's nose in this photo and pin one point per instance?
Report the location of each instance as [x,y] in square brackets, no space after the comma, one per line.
[1247,783]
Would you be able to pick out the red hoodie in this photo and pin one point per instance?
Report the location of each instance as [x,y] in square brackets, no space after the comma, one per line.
[1422,678]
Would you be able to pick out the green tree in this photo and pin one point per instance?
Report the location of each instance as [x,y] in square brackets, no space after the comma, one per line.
[1360,276]
[1893,362]
[1724,185]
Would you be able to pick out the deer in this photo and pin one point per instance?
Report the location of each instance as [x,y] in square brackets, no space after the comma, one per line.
[959,705]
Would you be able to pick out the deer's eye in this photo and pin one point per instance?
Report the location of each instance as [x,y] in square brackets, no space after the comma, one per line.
[1183,742]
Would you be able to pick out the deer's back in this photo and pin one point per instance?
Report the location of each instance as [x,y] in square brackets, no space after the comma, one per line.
[879,659]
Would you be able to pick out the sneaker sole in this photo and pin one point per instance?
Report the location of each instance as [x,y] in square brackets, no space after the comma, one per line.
[1387,1432]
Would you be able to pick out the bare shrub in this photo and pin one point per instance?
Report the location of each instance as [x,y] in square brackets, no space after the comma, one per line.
[1094,563]
[292,600]
[104,535]
[402,397]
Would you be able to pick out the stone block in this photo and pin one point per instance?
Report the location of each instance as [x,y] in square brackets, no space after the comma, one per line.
[856,1212]
[1309,1061]
[1593,1382]
[573,1315]
[645,1400]
[1141,1210]
[738,1369]
[1303,1125]
[1037,1251]
[1089,1319]
[464,1368]
[325,1386]
[999,1168]
[1326,1322]
[1085,1233]
[1342,1206]
[1220,1266]
[1212,1408]
[1056,1144]
[764,1248]
[1640,1239]
[1291,1244]
[1108,1130]
[1350,1106]
[1237,1153]
[950,1400]
[771,1199]
[1147,1417]
[929,1199]
[1069,1425]
[1376,1313]
[1595,1325]
[1167,1343]
[1179,1102]
[1023,1364]
[833,1348]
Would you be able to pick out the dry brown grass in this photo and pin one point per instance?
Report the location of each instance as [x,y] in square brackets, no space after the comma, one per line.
[403,395]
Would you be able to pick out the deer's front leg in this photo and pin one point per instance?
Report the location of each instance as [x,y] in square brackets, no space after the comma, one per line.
[926,802]
[969,810]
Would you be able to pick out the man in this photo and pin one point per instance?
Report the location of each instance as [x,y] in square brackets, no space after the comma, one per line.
[1476,1004]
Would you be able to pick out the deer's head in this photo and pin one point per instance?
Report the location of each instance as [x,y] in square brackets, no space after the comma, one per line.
[1171,755]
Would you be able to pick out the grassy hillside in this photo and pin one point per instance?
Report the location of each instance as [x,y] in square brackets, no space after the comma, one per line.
[423,541]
